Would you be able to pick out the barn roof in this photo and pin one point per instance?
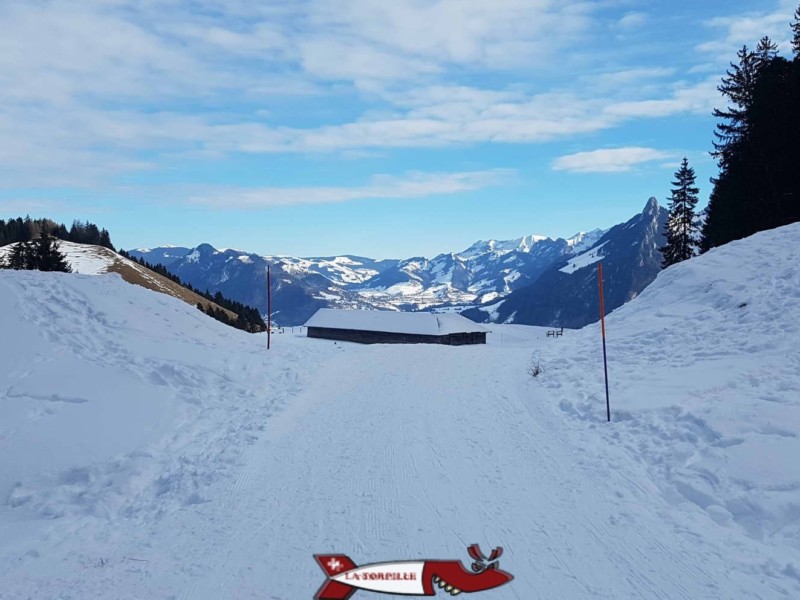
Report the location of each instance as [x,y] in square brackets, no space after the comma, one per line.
[420,323]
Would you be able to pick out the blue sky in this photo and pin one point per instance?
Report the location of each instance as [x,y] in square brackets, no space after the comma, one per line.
[387,129]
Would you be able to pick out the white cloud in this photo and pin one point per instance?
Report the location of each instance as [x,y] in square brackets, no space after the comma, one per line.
[747,29]
[488,33]
[610,160]
[632,20]
[699,98]
[14,207]
[630,77]
[412,185]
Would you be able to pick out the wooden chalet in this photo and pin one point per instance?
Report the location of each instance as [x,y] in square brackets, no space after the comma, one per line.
[392,327]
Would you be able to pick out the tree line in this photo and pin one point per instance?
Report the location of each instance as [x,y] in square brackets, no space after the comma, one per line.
[27,230]
[757,149]
[248,318]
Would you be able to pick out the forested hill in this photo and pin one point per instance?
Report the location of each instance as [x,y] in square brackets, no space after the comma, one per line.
[27,229]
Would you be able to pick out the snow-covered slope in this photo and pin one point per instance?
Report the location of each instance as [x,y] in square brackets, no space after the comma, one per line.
[87,259]
[705,376]
[83,258]
[148,452]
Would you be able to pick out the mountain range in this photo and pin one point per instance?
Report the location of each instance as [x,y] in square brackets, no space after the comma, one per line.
[528,280]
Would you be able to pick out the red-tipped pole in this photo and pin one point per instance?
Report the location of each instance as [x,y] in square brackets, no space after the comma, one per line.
[603,329]
[269,307]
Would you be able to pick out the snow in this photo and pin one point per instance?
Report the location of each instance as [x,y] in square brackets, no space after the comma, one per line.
[327,296]
[420,323]
[345,260]
[340,270]
[82,258]
[492,310]
[500,247]
[523,244]
[147,451]
[582,241]
[584,260]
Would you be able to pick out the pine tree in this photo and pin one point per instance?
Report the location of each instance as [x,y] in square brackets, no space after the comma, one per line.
[20,257]
[105,239]
[796,33]
[47,257]
[738,86]
[766,51]
[681,233]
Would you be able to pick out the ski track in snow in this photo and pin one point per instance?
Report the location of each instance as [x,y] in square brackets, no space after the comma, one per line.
[258,460]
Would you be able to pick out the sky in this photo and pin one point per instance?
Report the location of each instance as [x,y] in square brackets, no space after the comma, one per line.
[384,129]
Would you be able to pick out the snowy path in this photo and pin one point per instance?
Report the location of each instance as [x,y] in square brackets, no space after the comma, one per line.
[384,464]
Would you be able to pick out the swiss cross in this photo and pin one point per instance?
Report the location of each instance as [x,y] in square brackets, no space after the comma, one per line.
[334,564]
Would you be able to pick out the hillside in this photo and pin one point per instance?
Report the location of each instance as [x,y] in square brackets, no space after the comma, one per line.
[143,456]
[87,259]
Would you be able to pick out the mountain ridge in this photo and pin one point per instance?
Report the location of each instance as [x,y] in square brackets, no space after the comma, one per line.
[485,273]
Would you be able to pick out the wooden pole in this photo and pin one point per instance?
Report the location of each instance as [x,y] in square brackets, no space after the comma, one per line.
[603,329]
[269,308]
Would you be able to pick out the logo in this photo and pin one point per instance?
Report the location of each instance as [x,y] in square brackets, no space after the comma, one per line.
[410,577]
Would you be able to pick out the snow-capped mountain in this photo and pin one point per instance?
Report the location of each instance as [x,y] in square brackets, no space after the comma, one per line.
[481,273]
[341,270]
[566,294]
[164,255]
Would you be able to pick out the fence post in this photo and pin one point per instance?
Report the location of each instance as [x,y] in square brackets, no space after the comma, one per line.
[603,329]
[269,308]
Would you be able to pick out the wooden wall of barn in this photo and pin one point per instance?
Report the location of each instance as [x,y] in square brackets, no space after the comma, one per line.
[385,337]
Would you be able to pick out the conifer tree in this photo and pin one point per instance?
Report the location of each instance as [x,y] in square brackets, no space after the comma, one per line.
[738,86]
[766,51]
[19,258]
[105,239]
[682,230]
[796,33]
[45,255]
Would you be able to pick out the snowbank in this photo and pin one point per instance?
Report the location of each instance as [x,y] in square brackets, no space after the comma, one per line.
[99,378]
[705,385]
